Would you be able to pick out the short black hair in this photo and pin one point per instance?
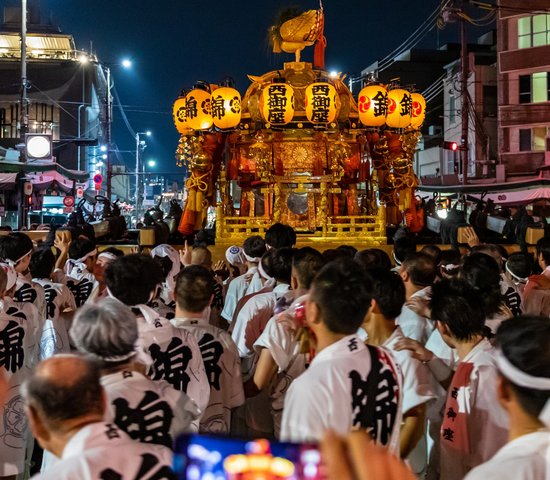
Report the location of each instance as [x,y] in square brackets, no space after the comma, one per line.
[348,250]
[373,258]
[80,247]
[279,236]
[307,262]
[278,264]
[450,257]
[388,290]
[543,248]
[194,288]
[165,264]
[482,273]
[42,263]
[254,246]
[68,400]
[332,254]
[421,269]
[433,251]
[132,278]
[403,247]
[520,264]
[455,304]
[14,246]
[342,293]
[525,342]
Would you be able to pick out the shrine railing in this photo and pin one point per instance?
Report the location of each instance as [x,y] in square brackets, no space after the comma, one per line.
[364,229]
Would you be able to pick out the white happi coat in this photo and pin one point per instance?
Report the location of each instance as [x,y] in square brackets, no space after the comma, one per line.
[147,410]
[235,291]
[80,281]
[413,324]
[285,351]
[17,358]
[55,335]
[223,369]
[487,422]
[417,390]
[524,458]
[27,291]
[171,354]
[251,322]
[332,394]
[101,451]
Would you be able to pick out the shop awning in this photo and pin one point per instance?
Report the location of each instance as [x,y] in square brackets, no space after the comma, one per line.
[43,181]
[8,181]
[43,166]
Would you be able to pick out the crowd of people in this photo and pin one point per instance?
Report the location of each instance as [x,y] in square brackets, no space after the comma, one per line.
[419,364]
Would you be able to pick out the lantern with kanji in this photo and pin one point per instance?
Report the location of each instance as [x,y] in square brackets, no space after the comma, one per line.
[399,108]
[418,110]
[199,110]
[322,103]
[226,107]
[277,104]
[180,115]
[373,105]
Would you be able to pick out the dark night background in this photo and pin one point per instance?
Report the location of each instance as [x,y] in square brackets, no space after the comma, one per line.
[173,43]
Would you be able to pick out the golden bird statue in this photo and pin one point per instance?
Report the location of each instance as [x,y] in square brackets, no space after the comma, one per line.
[295,31]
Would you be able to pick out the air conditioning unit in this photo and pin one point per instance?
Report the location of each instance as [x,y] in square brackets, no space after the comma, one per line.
[434,130]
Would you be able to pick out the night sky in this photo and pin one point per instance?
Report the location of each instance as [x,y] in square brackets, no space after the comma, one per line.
[174,43]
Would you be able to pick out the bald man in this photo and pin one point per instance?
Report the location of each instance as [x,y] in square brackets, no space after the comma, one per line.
[65,405]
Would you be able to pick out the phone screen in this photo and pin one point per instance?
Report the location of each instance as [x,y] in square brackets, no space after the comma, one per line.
[209,457]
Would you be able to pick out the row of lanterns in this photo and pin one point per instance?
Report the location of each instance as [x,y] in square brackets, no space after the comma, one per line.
[200,110]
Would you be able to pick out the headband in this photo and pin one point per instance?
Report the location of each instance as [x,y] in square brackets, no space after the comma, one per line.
[514,276]
[251,259]
[522,379]
[21,258]
[235,255]
[397,262]
[108,256]
[263,273]
[11,275]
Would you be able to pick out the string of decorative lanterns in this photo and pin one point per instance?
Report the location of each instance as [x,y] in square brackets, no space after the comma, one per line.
[200,109]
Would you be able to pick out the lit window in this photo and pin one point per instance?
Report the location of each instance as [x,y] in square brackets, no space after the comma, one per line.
[452,109]
[534,31]
[539,139]
[540,87]
[534,88]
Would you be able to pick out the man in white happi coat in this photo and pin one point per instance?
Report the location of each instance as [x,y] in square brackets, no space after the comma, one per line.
[149,411]
[17,358]
[418,272]
[388,298]
[65,404]
[523,390]
[348,386]
[169,353]
[16,249]
[194,295]
[78,270]
[60,304]
[280,356]
[474,425]
[253,249]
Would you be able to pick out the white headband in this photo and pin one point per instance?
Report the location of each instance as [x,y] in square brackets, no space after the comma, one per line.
[107,255]
[397,262]
[21,258]
[514,276]
[251,259]
[522,379]
[262,272]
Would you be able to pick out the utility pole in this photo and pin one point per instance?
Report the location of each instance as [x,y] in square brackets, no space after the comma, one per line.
[464,70]
[109,120]
[23,115]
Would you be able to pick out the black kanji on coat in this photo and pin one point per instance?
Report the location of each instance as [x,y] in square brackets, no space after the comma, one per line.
[12,354]
[211,351]
[171,364]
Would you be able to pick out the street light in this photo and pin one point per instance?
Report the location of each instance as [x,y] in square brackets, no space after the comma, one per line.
[152,163]
[126,63]
[140,146]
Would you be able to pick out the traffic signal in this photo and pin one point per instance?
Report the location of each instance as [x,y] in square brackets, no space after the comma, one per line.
[450,146]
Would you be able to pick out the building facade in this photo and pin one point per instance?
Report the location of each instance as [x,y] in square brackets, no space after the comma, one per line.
[524,87]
